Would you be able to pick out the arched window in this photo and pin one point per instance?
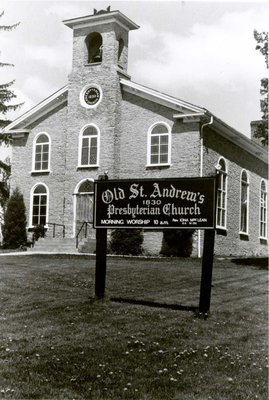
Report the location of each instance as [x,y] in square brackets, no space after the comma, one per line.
[94,44]
[39,205]
[263,210]
[86,186]
[41,153]
[222,195]
[159,144]
[244,202]
[89,146]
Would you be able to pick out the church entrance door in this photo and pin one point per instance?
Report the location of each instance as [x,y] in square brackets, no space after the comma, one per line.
[84,209]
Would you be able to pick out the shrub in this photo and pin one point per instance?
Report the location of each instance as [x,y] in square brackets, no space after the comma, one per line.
[126,241]
[39,231]
[14,229]
[177,243]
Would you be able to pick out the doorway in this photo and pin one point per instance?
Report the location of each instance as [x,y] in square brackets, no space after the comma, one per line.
[84,198]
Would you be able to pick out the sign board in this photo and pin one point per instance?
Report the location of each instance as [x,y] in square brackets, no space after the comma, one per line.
[184,203]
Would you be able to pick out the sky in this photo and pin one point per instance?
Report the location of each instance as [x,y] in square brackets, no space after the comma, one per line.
[200,52]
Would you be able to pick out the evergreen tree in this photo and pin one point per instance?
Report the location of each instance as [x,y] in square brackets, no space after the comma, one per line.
[5,170]
[6,94]
[262,128]
[14,230]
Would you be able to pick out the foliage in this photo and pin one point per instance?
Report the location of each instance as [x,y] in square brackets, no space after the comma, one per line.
[177,243]
[262,128]
[262,40]
[39,231]
[4,182]
[126,241]
[14,229]
[6,94]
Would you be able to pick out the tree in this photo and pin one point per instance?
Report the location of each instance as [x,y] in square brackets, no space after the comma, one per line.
[5,170]
[14,230]
[262,128]
[6,94]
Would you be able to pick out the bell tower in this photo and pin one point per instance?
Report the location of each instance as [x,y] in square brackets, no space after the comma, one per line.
[100,40]
[93,118]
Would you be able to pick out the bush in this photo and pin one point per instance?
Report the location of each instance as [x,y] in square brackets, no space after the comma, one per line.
[14,229]
[39,231]
[177,243]
[126,241]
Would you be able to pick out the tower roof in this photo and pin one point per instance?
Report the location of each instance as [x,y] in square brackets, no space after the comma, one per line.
[101,17]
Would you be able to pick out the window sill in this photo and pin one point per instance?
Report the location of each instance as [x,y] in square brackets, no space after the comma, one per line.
[263,240]
[87,166]
[244,236]
[93,63]
[154,166]
[31,228]
[41,172]
[221,231]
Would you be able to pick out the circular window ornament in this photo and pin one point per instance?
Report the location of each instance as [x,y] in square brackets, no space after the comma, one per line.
[90,96]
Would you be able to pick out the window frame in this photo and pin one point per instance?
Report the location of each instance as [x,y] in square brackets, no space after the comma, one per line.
[149,136]
[223,190]
[96,165]
[35,144]
[32,194]
[245,183]
[263,211]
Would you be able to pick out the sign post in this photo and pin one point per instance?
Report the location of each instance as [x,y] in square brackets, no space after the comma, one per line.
[207,268]
[100,263]
[183,203]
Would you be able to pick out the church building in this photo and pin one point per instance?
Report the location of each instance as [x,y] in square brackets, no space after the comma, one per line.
[103,121]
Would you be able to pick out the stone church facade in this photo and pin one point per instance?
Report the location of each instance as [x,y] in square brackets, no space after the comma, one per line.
[103,121]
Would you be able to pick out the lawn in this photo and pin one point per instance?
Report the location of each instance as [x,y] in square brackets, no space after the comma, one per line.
[57,343]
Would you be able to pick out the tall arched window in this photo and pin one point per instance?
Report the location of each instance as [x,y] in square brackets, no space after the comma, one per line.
[244,202]
[94,44]
[159,144]
[39,205]
[89,146]
[41,153]
[222,195]
[263,210]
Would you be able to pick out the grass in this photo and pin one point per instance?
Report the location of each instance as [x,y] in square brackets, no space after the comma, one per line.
[56,343]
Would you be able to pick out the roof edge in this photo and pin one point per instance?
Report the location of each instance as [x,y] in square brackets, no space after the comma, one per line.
[37,111]
[164,98]
[106,17]
[240,139]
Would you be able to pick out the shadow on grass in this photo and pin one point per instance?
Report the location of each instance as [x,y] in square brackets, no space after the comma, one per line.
[260,262]
[154,304]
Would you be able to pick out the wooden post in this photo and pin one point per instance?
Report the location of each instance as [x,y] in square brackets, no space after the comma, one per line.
[207,261]
[207,268]
[100,263]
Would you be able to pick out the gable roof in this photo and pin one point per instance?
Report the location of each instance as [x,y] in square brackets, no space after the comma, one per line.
[21,123]
[188,112]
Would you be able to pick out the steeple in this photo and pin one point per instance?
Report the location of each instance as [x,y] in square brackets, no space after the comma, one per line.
[101,39]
